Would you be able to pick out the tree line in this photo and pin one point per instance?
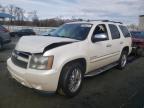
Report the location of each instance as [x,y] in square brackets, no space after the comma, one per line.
[23,18]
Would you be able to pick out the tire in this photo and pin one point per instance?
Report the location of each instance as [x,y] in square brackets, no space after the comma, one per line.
[123,60]
[71,79]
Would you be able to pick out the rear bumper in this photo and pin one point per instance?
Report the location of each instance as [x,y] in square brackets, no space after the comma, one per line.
[46,80]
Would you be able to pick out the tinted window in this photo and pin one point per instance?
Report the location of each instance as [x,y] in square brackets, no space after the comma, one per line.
[29,30]
[124,31]
[26,30]
[21,30]
[100,29]
[114,31]
[73,31]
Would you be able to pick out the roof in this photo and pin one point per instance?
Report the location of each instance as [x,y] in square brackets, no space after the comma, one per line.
[5,15]
[97,21]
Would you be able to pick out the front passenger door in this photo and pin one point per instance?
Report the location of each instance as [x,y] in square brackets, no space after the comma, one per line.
[100,50]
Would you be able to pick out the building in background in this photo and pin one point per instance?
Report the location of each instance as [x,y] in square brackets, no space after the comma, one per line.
[141,22]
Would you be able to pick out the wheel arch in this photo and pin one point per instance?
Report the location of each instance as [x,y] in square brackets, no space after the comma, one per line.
[81,60]
[126,48]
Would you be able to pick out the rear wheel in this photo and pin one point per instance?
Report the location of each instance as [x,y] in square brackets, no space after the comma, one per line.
[123,60]
[71,80]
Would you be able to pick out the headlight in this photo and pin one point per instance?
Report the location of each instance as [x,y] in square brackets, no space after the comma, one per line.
[41,62]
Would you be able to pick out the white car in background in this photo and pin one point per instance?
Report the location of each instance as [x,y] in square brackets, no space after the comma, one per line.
[60,61]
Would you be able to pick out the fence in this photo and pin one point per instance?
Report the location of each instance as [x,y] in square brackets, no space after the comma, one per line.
[38,30]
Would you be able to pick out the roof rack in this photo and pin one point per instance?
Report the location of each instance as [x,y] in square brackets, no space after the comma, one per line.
[113,21]
[106,21]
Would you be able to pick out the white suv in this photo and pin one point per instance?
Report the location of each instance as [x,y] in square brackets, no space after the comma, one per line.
[60,60]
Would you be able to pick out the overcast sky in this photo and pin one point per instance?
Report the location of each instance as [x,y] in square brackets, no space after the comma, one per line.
[120,10]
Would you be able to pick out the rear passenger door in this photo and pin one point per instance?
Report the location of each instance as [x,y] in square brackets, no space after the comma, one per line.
[115,42]
[126,37]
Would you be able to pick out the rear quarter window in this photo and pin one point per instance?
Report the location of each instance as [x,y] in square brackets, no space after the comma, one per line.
[125,31]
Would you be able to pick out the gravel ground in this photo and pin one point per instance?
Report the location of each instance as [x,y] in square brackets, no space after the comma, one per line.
[112,89]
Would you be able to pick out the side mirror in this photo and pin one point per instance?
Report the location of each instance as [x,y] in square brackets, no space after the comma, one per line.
[99,37]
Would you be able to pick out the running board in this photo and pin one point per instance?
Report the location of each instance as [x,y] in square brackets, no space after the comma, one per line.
[100,70]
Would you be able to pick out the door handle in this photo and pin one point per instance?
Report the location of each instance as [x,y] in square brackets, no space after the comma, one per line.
[121,42]
[109,45]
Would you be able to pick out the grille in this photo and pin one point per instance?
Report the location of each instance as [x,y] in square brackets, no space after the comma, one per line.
[20,62]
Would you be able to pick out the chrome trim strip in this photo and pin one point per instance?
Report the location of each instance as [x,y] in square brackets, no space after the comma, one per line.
[104,57]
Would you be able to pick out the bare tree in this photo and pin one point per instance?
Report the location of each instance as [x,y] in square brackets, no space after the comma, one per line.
[32,16]
[2,8]
[10,9]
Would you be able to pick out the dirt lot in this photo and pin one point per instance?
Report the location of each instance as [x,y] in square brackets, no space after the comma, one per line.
[112,89]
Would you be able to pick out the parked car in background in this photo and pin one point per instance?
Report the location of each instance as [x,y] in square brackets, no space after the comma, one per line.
[22,32]
[138,42]
[4,36]
[48,32]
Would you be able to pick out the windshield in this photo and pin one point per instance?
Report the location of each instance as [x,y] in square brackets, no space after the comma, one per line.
[73,31]
[137,34]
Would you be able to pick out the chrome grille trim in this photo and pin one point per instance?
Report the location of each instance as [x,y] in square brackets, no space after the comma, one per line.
[20,58]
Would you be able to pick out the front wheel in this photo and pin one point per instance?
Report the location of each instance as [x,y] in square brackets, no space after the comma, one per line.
[123,60]
[71,80]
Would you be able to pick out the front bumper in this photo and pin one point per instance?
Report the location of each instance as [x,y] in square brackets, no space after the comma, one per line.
[44,80]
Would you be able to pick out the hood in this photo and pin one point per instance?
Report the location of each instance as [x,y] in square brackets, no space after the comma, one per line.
[37,44]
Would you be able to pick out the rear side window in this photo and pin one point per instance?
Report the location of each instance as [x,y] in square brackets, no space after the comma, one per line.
[114,31]
[124,31]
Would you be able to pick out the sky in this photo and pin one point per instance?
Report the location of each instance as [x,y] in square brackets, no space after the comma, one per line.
[126,11]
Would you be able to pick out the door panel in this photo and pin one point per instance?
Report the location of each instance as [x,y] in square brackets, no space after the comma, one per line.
[100,53]
[116,41]
[100,56]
